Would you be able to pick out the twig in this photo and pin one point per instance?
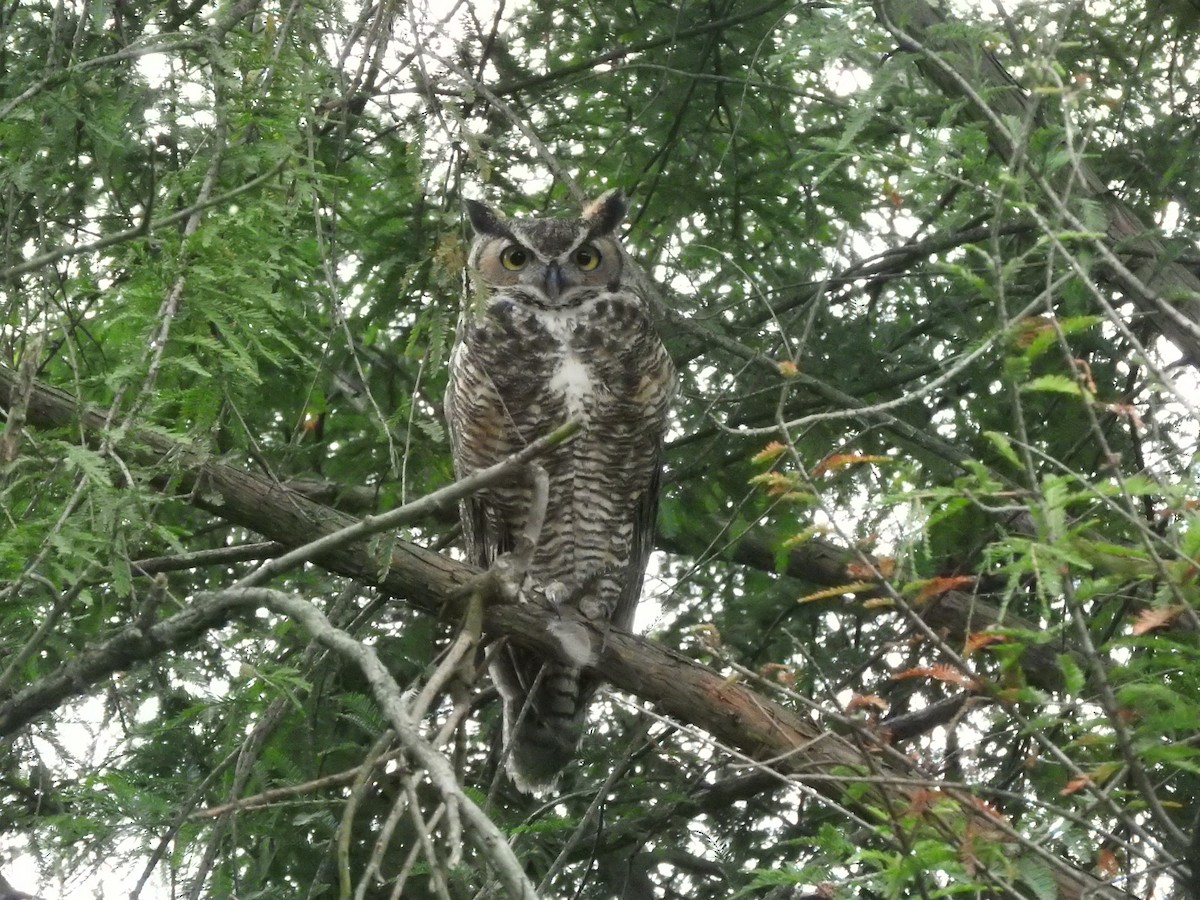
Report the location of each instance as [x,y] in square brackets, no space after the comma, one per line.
[459,807]
[273,795]
[10,438]
[44,259]
[361,782]
[410,512]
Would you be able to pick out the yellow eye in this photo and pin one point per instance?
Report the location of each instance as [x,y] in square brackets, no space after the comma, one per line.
[514,258]
[587,257]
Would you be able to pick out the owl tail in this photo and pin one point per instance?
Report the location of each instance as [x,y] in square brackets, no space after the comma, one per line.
[545,707]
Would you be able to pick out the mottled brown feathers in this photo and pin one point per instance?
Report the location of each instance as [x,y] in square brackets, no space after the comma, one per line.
[556,331]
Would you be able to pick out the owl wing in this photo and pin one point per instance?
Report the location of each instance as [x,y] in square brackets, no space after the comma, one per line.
[473,440]
[644,523]
[653,401]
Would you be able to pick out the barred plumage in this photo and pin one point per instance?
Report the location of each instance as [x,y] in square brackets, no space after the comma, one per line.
[554,331]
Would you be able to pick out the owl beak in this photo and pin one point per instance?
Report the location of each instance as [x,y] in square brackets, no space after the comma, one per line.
[555,281]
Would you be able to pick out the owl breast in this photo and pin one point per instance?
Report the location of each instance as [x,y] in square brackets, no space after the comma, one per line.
[573,383]
[523,370]
[588,363]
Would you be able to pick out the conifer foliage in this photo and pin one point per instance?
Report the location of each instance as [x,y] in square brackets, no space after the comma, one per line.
[922,617]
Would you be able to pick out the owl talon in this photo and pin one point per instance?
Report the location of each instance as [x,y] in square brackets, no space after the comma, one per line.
[585,597]
[504,581]
[557,594]
[604,632]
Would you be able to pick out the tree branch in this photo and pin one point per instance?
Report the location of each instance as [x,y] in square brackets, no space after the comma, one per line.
[128,646]
[490,840]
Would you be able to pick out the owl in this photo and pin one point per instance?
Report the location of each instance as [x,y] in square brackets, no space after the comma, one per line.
[556,330]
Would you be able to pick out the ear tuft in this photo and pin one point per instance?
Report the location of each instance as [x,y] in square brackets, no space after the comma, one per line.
[606,211]
[484,219]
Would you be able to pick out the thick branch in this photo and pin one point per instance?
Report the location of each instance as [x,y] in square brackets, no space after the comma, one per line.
[93,664]
[8,892]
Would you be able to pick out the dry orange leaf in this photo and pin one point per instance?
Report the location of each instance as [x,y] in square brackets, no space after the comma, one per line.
[860,570]
[852,588]
[1029,328]
[922,799]
[775,482]
[939,672]
[977,640]
[884,565]
[778,672]
[1085,375]
[1155,617]
[1075,785]
[1097,775]
[1127,715]
[934,587]
[1107,864]
[842,460]
[1128,410]
[768,453]
[866,701]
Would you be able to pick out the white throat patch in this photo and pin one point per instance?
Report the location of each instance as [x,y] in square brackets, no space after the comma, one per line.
[572,379]
[574,382]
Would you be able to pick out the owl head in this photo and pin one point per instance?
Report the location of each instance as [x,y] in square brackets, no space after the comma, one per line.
[549,263]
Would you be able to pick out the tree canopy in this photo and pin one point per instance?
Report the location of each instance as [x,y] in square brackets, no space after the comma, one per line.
[922,616]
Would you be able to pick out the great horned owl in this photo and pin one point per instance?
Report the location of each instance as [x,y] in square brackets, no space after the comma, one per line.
[554,330]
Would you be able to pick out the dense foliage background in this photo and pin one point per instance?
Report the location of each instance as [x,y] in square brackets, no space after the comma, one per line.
[930,280]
